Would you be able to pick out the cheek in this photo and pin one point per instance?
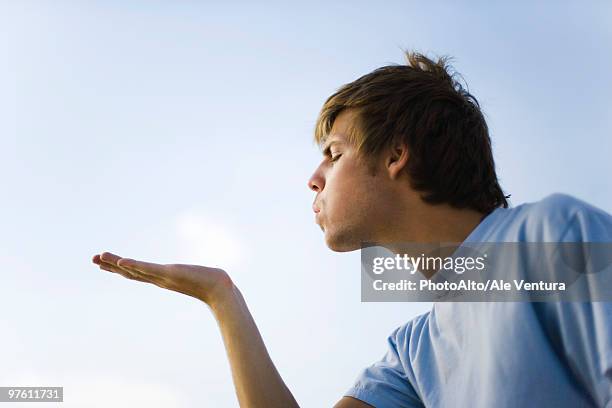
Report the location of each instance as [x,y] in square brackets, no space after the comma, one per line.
[345,193]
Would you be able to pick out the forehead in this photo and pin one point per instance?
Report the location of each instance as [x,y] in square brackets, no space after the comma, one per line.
[345,123]
[342,129]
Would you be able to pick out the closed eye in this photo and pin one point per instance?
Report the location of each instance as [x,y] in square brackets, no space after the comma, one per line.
[335,158]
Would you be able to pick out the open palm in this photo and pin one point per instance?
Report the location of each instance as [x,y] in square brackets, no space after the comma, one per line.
[201,282]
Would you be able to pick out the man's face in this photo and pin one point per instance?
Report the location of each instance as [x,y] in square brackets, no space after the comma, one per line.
[349,204]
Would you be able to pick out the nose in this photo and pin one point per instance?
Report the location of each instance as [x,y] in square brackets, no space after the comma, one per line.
[316,181]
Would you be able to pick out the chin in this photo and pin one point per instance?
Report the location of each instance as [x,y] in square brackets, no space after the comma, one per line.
[337,243]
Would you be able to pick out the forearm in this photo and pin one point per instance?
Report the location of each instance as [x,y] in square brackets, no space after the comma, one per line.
[257,382]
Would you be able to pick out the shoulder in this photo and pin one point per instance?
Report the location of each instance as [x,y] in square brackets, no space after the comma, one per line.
[557,217]
[577,220]
[562,204]
[555,207]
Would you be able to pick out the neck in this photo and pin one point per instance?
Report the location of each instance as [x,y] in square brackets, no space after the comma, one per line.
[426,223]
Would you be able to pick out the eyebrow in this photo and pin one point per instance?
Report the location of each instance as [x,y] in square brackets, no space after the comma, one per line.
[326,149]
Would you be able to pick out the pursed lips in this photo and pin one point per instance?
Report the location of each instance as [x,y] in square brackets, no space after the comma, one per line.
[317,212]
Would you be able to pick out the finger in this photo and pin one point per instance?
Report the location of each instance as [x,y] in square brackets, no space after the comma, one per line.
[97,259]
[147,268]
[109,257]
[114,268]
[146,271]
[133,266]
[126,274]
[133,274]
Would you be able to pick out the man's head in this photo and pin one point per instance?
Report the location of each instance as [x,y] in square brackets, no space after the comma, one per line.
[400,137]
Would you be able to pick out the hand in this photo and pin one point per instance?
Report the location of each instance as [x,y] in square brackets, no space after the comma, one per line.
[201,282]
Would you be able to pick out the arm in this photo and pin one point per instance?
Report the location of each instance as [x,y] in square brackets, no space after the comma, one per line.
[257,382]
[388,382]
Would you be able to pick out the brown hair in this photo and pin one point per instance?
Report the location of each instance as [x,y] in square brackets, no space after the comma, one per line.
[424,105]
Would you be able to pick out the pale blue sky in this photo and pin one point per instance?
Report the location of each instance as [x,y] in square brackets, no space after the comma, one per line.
[182,132]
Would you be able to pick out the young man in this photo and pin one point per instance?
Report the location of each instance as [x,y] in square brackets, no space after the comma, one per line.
[407,158]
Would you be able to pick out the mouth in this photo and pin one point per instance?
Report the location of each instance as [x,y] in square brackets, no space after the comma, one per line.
[320,225]
[317,221]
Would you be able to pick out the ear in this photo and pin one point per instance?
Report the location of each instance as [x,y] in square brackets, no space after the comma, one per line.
[397,159]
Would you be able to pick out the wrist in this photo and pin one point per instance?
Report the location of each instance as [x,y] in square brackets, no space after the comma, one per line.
[224,294]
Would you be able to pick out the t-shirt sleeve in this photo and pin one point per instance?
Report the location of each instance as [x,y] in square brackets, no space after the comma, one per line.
[385,383]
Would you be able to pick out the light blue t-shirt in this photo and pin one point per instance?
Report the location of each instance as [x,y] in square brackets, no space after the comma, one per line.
[504,354]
